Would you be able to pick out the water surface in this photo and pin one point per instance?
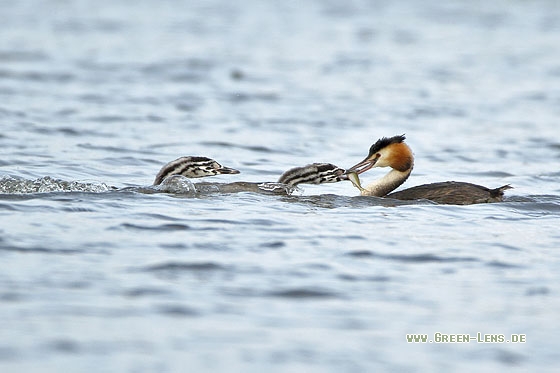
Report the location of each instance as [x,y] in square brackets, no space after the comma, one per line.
[99,271]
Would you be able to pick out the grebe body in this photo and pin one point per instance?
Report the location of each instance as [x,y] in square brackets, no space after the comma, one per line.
[452,193]
[394,153]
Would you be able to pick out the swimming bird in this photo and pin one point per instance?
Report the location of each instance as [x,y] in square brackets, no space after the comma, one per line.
[195,167]
[393,152]
[315,173]
[192,167]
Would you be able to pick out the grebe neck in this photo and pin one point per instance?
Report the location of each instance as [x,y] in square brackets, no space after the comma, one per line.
[385,185]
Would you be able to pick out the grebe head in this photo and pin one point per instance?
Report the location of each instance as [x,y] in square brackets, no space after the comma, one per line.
[386,152]
[193,167]
[315,173]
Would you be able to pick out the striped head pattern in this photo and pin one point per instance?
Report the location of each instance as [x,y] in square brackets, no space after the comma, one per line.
[192,167]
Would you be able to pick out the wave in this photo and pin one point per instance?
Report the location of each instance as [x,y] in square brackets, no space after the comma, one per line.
[47,184]
[175,184]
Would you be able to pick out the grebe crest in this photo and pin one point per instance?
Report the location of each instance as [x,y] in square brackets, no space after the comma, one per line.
[315,173]
[192,167]
[385,142]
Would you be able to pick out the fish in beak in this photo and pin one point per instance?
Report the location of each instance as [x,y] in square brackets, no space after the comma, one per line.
[353,172]
[355,179]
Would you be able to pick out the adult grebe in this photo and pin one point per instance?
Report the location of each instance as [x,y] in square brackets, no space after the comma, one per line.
[393,152]
[192,167]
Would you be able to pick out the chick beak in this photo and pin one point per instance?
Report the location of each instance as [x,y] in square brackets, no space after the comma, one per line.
[227,170]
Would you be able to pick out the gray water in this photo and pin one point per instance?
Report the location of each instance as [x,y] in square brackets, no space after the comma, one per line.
[100,272]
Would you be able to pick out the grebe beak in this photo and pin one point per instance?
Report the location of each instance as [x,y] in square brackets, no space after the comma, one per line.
[227,170]
[363,166]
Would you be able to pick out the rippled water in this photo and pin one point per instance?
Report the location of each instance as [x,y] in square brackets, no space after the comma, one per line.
[101,272]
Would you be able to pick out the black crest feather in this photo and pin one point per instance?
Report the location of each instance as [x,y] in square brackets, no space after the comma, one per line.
[384,142]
